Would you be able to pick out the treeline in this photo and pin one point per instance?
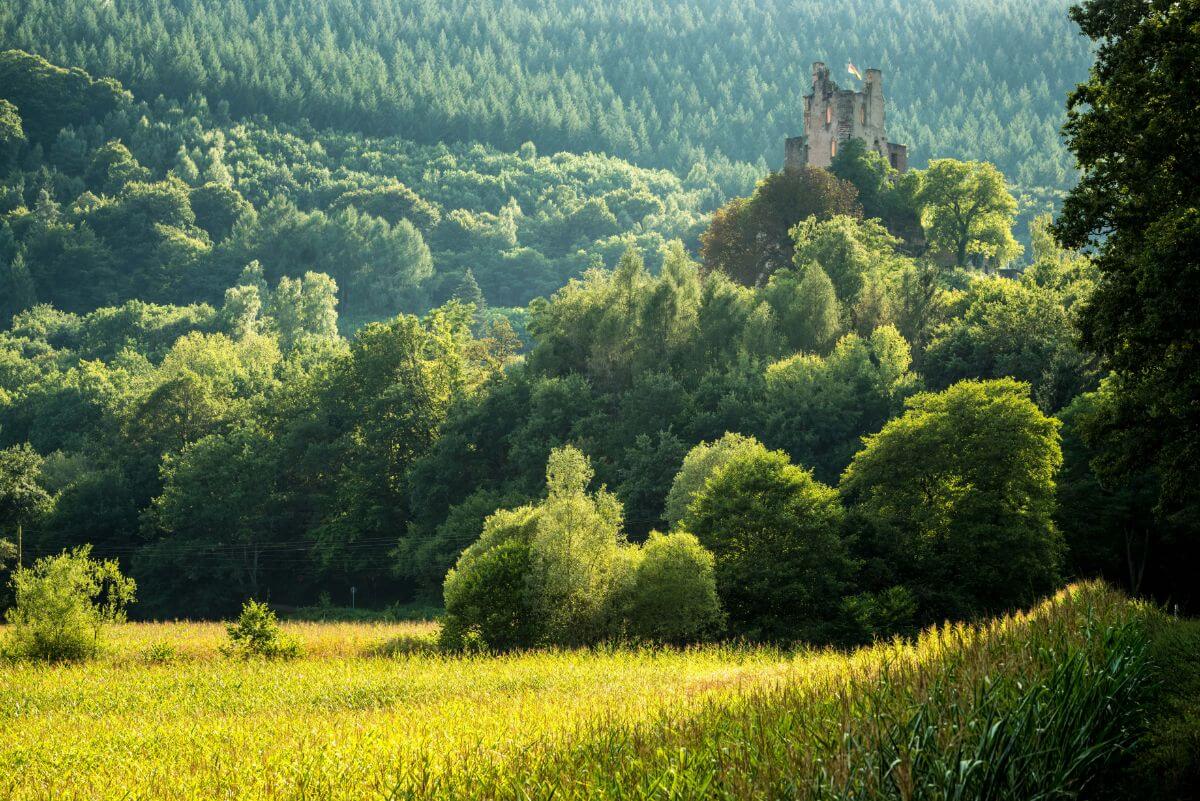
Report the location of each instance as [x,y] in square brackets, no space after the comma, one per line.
[103,199]
[250,450]
[674,85]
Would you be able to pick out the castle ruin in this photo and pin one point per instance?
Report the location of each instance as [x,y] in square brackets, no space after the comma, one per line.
[833,115]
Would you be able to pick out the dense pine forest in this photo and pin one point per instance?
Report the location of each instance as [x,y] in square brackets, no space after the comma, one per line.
[671,84]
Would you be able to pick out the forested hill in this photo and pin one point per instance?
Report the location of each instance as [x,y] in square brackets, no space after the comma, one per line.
[666,84]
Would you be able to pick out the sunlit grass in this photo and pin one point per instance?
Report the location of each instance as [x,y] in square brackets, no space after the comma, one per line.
[719,721]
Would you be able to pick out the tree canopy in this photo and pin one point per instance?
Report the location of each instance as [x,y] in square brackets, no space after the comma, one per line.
[1136,208]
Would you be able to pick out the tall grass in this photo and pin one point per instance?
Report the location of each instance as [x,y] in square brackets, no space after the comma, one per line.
[1024,707]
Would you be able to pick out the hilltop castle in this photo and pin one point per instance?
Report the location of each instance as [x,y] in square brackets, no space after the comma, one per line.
[833,115]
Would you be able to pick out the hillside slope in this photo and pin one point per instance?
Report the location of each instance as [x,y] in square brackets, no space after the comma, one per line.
[665,84]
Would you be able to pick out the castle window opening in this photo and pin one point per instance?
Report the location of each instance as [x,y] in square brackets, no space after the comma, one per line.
[833,148]
[828,115]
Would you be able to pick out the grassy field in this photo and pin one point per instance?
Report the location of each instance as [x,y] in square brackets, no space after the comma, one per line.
[1026,706]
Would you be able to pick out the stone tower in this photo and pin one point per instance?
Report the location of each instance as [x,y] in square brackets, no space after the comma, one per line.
[833,115]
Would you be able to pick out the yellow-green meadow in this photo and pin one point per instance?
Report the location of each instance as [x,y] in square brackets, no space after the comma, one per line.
[375,711]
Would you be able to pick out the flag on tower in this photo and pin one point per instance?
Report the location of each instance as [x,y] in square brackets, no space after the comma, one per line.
[853,70]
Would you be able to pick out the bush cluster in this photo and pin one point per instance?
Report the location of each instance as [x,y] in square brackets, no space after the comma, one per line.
[63,604]
[562,572]
[256,633]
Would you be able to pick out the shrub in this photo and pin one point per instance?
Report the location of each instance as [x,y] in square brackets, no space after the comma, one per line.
[781,563]
[161,653]
[492,602]
[674,592]
[562,573]
[63,603]
[257,634]
[958,494]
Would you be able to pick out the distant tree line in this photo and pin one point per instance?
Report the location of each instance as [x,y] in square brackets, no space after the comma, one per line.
[103,200]
[681,84]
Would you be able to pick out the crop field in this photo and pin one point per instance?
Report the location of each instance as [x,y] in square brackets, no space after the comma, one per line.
[1020,705]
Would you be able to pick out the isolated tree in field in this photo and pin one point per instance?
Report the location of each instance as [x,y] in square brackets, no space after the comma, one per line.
[256,633]
[775,532]
[22,498]
[63,603]
[1137,207]
[959,492]
[968,211]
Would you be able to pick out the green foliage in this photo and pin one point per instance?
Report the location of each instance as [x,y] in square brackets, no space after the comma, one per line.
[1014,329]
[1164,764]
[22,495]
[885,194]
[699,80]
[819,408]
[699,465]
[806,306]
[1136,207]
[968,212]
[11,130]
[50,98]
[490,598]
[958,494]
[112,167]
[62,605]
[781,565]
[99,216]
[673,597]
[218,208]
[303,307]
[875,615]
[852,252]
[240,447]
[574,550]
[748,240]
[1108,522]
[562,573]
[256,633]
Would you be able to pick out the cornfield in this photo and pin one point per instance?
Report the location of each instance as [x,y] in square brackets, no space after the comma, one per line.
[1026,706]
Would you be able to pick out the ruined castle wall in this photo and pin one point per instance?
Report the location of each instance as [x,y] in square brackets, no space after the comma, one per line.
[833,115]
